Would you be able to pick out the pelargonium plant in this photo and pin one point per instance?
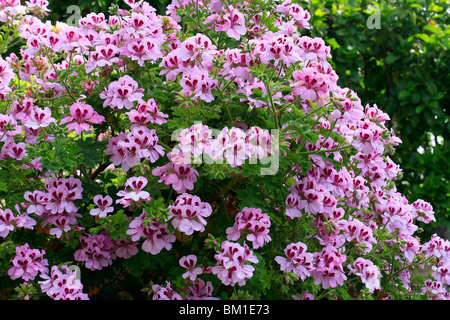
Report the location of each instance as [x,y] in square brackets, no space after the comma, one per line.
[208,153]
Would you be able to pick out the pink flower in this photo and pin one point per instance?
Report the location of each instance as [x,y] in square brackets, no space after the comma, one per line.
[62,284]
[34,164]
[231,146]
[368,273]
[442,273]
[230,21]
[328,270]
[81,116]
[181,177]
[57,207]
[199,290]
[7,225]
[437,247]
[305,296]
[156,234]
[39,118]
[125,249]
[72,38]
[198,84]
[253,223]
[122,93]
[8,128]
[280,48]
[198,47]
[137,24]
[142,50]
[96,252]
[133,191]
[172,65]
[6,72]
[299,15]
[250,87]
[61,224]
[374,114]
[396,213]
[367,137]
[310,84]
[434,290]
[356,230]
[21,111]
[189,262]
[258,142]
[38,201]
[103,204]
[57,200]
[234,24]
[292,206]
[23,220]
[410,247]
[129,148]
[93,21]
[104,55]
[27,263]
[165,293]
[188,213]
[14,151]
[312,201]
[193,141]
[424,211]
[297,260]
[147,112]
[233,263]
[313,49]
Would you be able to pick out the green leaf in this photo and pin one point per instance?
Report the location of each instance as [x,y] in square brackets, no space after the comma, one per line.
[423,36]
[3,186]
[391,58]
[431,87]
[420,108]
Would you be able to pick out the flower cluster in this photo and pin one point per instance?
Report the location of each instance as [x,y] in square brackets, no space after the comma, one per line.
[100,250]
[165,292]
[233,263]
[8,222]
[253,223]
[368,272]
[62,284]
[122,93]
[198,290]
[27,263]
[155,233]
[297,260]
[180,176]
[188,213]
[97,251]
[56,206]
[81,116]
[329,267]
[147,112]
[233,146]
[128,148]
